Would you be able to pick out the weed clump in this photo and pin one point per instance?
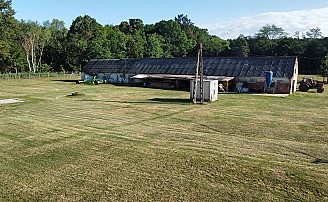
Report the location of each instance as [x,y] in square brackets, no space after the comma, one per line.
[77,94]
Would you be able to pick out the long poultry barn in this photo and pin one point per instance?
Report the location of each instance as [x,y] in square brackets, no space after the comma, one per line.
[236,74]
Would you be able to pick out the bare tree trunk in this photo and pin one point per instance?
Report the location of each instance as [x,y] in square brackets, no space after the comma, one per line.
[40,58]
[26,44]
[28,61]
[34,44]
[32,58]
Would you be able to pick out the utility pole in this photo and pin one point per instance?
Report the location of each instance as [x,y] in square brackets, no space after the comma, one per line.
[199,74]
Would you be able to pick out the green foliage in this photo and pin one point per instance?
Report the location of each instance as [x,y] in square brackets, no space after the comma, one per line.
[136,45]
[324,68]
[8,39]
[175,39]
[154,46]
[261,46]
[84,40]
[34,38]
[183,20]
[271,32]
[215,45]
[55,49]
[45,68]
[309,48]
[314,33]
[289,46]
[239,47]
[115,41]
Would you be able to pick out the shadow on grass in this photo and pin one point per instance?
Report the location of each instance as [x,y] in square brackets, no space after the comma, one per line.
[67,80]
[150,101]
[316,161]
[118,101]
[150,87]
[320,161]
[309,91]
[170,100]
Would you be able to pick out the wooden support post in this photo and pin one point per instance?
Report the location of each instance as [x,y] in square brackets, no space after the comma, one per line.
[199,74]
[196,83]
[200,58]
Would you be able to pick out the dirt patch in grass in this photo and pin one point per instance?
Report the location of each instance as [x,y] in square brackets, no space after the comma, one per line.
[8,101]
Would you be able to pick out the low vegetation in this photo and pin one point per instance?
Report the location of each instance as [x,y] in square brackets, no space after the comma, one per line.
[127,143]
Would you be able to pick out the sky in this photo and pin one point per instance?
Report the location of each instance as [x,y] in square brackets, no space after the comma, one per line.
[224,18]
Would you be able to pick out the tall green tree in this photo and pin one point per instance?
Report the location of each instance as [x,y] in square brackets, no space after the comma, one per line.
[115,41]
[54,50]
[265,41]
[34,38]
[314,33]
[215,45]
[183,20]
[175,39]
[30,41]
[289,47]
[188,27]
[84,42]
[239,47]
[136,39]
[271,32]
[135,45]
[314,51]
[324,68]
[45,35]
[8,40]
[154,46]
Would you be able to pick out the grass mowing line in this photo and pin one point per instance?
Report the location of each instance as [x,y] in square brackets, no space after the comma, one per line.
[176,156]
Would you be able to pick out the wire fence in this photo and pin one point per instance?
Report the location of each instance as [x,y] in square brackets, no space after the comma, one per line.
[30,75]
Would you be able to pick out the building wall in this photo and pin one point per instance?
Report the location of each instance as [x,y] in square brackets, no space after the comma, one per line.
[282,85]
[87,77]
[117,78]
[252,84]
[114,78]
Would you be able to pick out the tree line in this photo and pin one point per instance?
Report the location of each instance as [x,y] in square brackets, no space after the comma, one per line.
[50,46]
[311,47]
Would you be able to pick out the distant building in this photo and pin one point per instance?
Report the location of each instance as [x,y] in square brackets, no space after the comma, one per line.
[248,74]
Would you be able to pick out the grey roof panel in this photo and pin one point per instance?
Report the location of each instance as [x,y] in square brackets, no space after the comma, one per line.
[235,67]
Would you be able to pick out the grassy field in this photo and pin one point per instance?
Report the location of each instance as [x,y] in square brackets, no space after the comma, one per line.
[127,143]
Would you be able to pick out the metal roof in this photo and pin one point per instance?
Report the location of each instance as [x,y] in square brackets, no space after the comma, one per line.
[230,67]
[180,77]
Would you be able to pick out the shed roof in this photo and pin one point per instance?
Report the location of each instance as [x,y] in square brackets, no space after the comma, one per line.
[230,67]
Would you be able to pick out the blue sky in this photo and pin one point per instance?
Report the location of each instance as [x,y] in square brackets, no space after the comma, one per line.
[225,18]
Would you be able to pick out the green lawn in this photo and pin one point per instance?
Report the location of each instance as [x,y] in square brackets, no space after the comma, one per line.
[127,143]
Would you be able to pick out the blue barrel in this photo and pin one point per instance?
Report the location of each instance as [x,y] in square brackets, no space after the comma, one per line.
[268,78]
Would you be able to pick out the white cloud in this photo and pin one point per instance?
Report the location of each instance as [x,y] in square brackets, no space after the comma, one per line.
[291,22]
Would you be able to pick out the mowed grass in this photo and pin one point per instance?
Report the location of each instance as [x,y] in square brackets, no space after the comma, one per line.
[138,144]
